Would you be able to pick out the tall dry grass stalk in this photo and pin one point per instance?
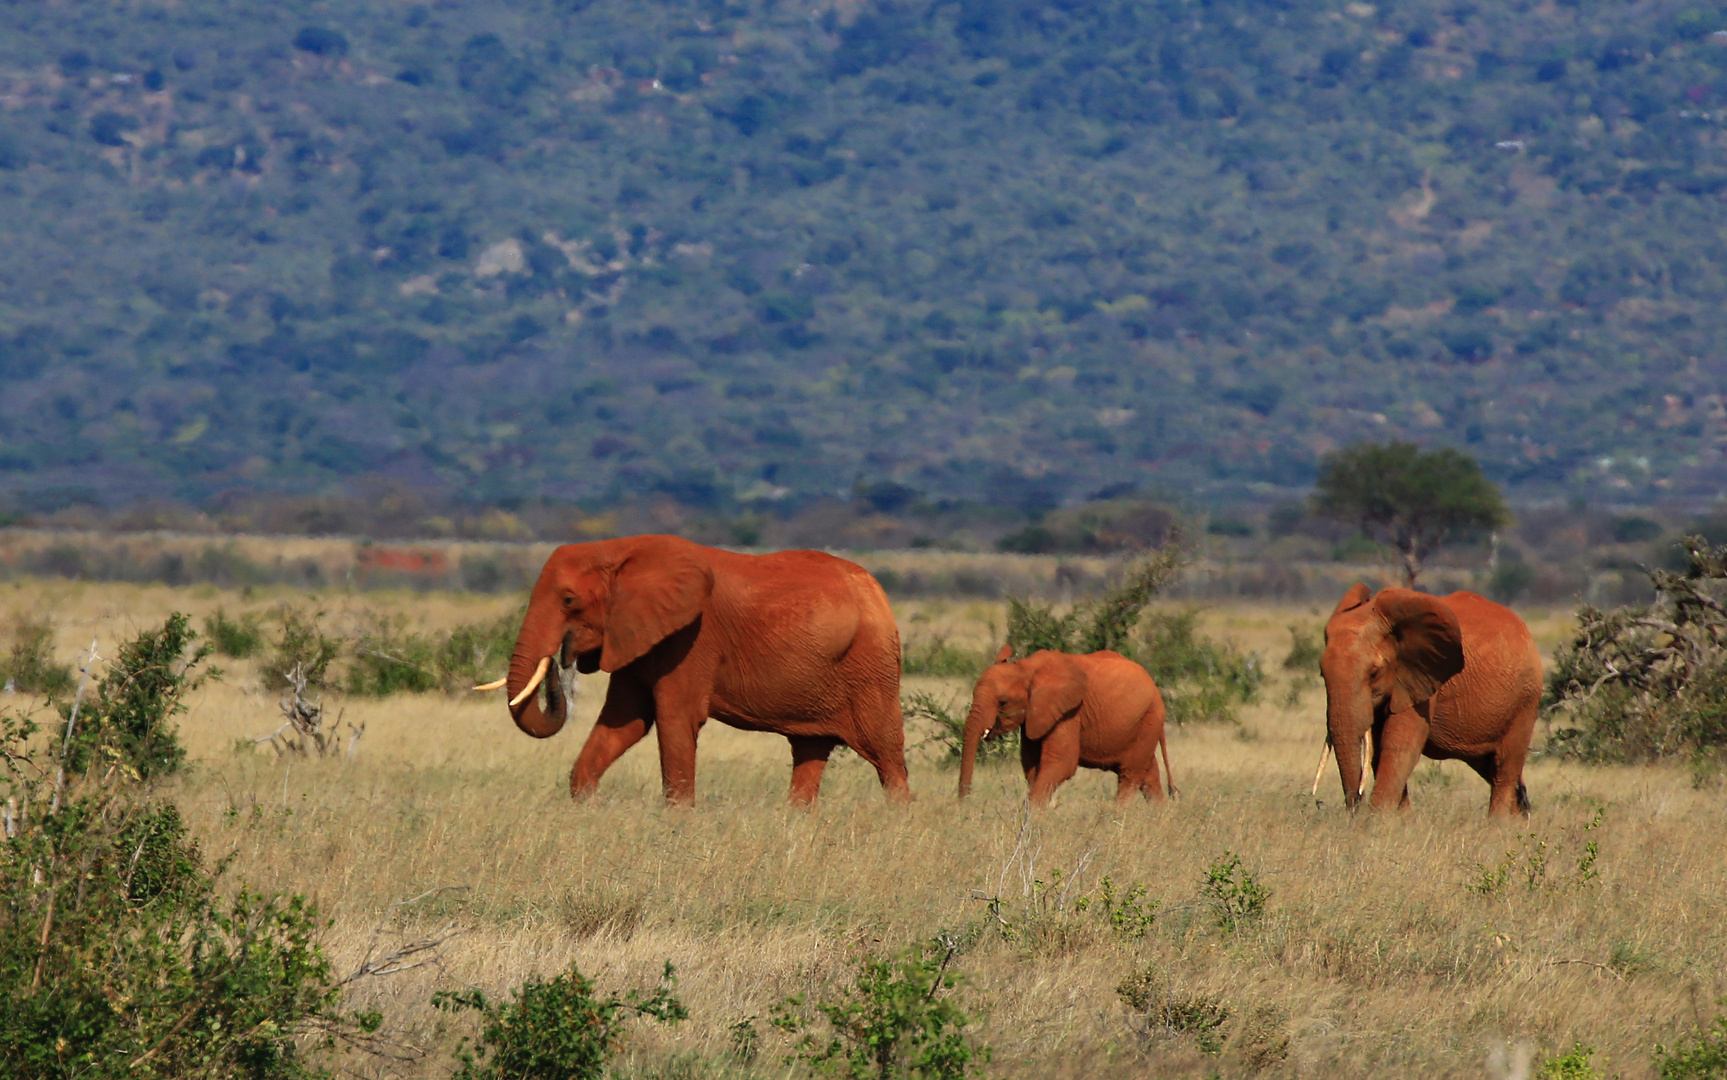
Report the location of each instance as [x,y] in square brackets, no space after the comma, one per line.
[1386,948]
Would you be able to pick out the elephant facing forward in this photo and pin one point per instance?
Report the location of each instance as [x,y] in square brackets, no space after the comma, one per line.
[1445,677]
[1100,710]
[799,643]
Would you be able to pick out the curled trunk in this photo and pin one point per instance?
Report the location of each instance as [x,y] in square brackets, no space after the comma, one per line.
[540,637]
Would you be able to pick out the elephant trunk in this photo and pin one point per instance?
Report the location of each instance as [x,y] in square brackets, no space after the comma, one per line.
[978,721]
[1347,722]
[541,639]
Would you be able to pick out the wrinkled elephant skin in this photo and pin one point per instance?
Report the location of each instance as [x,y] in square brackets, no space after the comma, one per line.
[799,643]
[1454,677]
[1100,711]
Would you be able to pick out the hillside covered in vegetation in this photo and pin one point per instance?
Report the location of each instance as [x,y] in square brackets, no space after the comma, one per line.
[746,252]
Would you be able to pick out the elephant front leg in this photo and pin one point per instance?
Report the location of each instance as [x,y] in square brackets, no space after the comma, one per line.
[1397,750]
[1057,762]
[624,719]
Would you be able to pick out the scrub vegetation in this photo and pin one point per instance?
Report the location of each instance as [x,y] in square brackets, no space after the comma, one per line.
[1244,930]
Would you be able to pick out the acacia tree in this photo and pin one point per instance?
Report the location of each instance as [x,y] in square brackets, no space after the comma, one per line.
[1415,501]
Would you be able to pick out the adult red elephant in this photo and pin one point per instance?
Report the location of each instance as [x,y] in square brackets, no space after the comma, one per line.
[799,643]
[1455,677]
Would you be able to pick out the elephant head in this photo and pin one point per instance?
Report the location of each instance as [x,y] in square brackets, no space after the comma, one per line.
[1033,693]
[1383,654]
[601,606]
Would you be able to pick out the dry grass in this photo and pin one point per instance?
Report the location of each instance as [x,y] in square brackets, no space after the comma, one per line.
[1374,956]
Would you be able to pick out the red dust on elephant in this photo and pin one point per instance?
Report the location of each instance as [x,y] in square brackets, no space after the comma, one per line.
[799,643]
[1450,678]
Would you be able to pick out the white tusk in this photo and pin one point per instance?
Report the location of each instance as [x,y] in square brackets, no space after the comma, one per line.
[1324,753]
[1366,760]
[499,685]
[533,683]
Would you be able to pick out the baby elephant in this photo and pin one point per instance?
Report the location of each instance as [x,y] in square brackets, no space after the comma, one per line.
[1100,710]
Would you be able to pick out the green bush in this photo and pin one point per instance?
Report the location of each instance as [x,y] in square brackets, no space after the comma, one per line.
[948,729]
[1202,680]
[1235,895]
[1101,624]
[127,720]
[117,955]
[476,652]
[300,645]
[935,655]
[1647,682]
[240,639]
[1305,647]
[1703,1056]
[30,666]
[893,1022]
[556,1029]
[1571,1065]
[388,658]
[1173,1013]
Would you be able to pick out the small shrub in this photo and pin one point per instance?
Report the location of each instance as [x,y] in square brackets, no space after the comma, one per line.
[1236,897]
[240,639]
[934,655]
[1172,1014]
[1647,682]
[1201,680]
[388,658]
[301,644]
[476,652]
[1701,1057]
[1264,1038]
[30,666]
[1628,959]
[1305,647]
[1128,913]
[1571,1065]
[556,1029]
[892,1023]
[948,729]
[143,970]
[127,720]
[746,1040]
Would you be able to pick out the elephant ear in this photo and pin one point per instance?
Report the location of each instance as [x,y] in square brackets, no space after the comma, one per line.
[1428,642]
[1004,655]
[659,589]
[1354,598]
[1057,688]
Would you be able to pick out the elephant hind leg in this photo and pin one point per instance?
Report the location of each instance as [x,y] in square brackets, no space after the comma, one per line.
[1508,793]
[809,759]
[875,731]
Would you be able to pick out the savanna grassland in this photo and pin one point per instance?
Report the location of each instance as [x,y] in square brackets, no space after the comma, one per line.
[1431,943]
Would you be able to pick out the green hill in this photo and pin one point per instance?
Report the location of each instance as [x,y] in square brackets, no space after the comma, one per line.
[733,252]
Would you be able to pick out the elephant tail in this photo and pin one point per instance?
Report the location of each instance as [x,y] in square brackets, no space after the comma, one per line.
[1522,799]
[1168,776]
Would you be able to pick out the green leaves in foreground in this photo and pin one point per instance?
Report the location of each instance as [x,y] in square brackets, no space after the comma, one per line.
[1701,1057]
[892,1023]
[127,720]
[117,956]
[556,1029]
[1235,895]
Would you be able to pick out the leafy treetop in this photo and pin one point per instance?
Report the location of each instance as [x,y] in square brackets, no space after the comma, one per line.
[1414,500]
